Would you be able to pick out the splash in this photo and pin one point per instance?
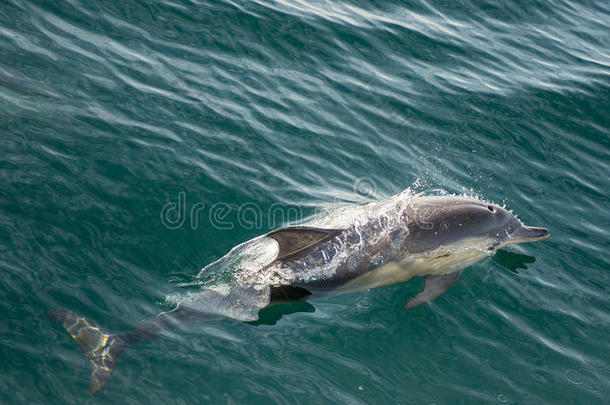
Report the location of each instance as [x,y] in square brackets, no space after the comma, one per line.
[364,225]
[246,257]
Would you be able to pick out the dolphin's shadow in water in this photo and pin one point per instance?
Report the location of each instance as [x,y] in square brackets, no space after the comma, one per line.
[273,313]
[512,261]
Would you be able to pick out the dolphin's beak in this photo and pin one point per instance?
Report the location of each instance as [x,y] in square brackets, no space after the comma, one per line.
[528,234]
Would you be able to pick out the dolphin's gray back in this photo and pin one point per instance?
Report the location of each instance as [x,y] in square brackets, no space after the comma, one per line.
[404,228]
[435,221]
[353,252]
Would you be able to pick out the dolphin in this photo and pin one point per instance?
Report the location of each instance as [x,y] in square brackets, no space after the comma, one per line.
[355,248]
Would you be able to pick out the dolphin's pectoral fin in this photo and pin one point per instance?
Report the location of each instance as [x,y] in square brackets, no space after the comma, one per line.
[433,287]
[288,293]
[297,240]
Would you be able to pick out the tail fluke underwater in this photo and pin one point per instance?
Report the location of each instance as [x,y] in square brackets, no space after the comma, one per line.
[103,348]
[100,346]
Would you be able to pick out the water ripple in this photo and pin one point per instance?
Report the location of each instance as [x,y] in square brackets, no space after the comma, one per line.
[111,109]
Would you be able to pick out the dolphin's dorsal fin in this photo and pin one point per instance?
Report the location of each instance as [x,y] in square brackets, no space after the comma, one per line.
[433,287]
[297,240]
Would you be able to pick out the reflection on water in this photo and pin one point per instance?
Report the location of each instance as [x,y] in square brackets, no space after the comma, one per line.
[512,261]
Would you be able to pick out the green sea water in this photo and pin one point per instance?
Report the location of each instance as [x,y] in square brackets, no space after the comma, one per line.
[142,140]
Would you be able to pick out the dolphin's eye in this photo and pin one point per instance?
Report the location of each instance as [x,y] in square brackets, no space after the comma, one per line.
[491,208]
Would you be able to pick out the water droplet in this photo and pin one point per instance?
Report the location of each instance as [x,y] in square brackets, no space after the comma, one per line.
[502,398]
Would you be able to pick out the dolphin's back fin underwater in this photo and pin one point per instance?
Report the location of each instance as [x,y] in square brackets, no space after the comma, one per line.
[103,347]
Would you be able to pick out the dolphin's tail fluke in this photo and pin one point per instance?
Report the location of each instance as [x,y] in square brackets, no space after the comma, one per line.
[100,346]
[103,347]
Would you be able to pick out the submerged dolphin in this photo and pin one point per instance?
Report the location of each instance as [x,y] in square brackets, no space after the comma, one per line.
[362,247]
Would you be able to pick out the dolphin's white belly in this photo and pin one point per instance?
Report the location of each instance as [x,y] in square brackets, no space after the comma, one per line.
[434,264]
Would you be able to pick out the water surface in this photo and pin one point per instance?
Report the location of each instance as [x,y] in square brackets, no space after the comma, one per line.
[111,110]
